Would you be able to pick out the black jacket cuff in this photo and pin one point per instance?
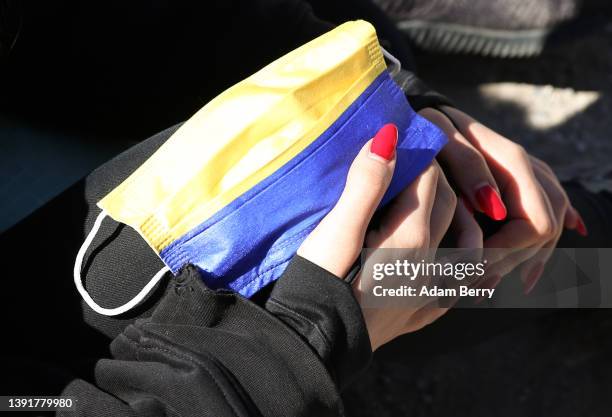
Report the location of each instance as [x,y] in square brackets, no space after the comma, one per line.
[322,308]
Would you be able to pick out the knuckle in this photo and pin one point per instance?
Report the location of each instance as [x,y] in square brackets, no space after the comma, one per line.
[546,228]
[518,151]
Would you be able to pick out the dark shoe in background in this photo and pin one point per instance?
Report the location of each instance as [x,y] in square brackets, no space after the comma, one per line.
[496,28]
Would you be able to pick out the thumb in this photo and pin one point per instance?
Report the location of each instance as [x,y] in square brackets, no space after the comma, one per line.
[336,242]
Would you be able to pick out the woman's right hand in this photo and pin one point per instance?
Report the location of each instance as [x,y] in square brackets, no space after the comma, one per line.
[418,218]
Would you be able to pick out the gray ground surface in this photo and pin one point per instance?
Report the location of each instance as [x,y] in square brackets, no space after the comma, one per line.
[556,366]
[560,107]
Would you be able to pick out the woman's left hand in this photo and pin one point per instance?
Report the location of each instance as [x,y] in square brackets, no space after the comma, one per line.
[499,178]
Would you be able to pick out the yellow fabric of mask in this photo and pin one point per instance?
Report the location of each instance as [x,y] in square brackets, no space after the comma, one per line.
[246,134]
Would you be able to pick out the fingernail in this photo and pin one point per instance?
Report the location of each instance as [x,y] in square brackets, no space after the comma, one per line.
[533,277]
[384,142]
[467,205]
[581,227]
[491,203]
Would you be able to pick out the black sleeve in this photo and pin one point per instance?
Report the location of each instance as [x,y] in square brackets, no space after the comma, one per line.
[215,353]
[333,325]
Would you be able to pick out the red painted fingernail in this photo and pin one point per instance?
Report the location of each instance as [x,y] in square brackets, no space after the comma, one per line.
[491,203]
[467,205]
[384,142]
[581,227]
[533,277]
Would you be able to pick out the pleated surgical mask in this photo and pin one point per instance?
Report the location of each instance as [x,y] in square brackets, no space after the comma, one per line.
[239,186]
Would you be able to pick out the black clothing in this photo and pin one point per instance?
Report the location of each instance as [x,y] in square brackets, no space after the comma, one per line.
[286,353]
[215,353]
[187,350]
[298,342]
[134,68]
[135,77]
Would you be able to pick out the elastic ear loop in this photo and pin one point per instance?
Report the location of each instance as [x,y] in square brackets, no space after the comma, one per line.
[79,282]
[397,65]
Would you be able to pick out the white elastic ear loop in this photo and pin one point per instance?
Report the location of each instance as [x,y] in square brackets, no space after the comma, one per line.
[397,65]
[79,282]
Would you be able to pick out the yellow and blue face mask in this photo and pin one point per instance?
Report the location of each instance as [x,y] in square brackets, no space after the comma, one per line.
[240,185]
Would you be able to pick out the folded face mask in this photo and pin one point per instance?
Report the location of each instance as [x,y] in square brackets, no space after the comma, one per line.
[240,185]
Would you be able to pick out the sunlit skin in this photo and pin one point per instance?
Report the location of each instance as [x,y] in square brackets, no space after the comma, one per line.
[418,218]
[536,208]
